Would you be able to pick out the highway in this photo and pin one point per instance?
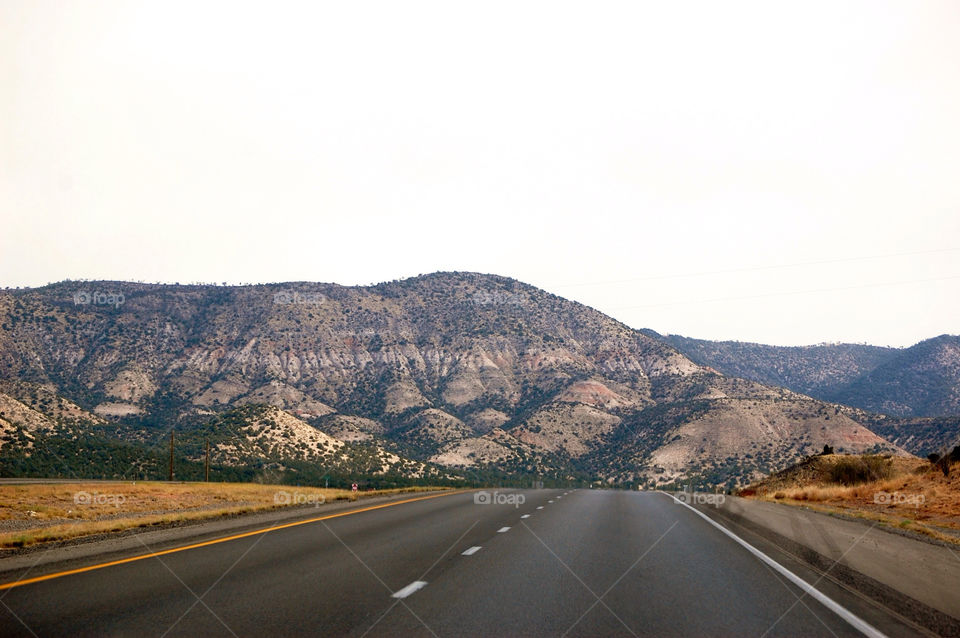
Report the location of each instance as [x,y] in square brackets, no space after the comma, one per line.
[561,563]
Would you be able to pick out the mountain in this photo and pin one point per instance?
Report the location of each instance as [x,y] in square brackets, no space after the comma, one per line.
[250,442]
[920,436]
[920,381]
[811,370]
[477,373]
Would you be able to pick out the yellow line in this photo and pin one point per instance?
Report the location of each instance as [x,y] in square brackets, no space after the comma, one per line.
[90,568]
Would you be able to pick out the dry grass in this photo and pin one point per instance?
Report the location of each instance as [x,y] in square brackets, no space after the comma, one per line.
[32,514]
[911,495]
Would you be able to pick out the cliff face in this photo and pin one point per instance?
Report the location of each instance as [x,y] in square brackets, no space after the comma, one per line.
[460,369]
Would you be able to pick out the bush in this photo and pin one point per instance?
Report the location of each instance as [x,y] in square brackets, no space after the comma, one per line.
[944,462]
[855,470]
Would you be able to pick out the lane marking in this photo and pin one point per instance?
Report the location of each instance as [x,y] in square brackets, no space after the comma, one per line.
[502,530]
[470,552]
[215,541]
[525,516]
[409,589]
[853,620]
[540,507]
[549,501]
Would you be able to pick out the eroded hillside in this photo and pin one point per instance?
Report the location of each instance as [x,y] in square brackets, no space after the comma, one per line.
[459,369]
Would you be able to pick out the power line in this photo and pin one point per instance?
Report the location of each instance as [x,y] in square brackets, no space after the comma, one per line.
[786,294]
[756,268]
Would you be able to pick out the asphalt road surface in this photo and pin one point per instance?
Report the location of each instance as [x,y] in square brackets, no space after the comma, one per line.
[577,563]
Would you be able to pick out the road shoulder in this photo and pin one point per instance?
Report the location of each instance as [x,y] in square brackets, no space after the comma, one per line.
[59,556]
[916,580]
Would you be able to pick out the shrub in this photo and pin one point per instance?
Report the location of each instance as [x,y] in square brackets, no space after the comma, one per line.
[855,470]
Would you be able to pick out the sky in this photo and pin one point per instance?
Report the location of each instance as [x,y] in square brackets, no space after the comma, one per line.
[785,173]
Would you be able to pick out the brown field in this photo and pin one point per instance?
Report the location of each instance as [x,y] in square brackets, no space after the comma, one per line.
[41,513]
[904,492]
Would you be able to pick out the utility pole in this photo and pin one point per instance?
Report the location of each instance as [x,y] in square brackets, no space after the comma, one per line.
[171,456]
[206,461]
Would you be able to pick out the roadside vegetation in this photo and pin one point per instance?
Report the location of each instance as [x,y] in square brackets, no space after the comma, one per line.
[905,492]
[31,514]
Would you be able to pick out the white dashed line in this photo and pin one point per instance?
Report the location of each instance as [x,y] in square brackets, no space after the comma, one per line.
[502,530]
[540,507]
[525,516]
[409,589]
[473,550]
[549,501]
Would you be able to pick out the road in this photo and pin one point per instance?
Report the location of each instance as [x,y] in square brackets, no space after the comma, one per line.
[574,563]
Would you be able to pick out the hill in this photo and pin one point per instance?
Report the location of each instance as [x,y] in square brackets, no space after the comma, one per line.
[479,373]
[903,492]
[920,381]
[812,370]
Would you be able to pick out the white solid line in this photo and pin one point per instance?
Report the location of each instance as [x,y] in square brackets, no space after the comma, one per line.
[540,507]
[525,516]
[409,589]
[502,530]
[854,621]
[473,550]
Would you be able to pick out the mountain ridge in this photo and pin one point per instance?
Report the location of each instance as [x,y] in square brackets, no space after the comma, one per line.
[922,380]
[471,370]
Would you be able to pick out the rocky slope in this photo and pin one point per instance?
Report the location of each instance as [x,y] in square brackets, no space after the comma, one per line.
[476,372]
[920,435]
[920,381]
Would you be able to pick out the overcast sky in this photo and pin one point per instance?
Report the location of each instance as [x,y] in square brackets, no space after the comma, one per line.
[762,171]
